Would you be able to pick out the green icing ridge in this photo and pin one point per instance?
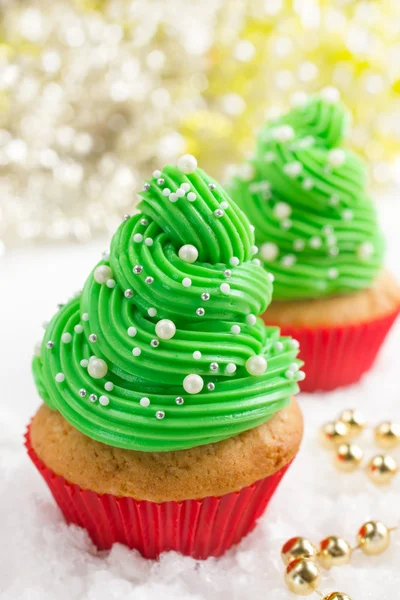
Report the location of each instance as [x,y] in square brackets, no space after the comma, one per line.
[152,239]
[316,225]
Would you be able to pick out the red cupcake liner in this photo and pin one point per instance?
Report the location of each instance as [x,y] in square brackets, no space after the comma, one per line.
[338,356]
[197,528]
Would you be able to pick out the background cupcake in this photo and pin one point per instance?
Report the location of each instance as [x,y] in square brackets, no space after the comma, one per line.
[168,420]
[317,232]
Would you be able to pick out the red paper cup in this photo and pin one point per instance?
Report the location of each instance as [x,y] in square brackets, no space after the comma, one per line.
[338,356]
[197,528]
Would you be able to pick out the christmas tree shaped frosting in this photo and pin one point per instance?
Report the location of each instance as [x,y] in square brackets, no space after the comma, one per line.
[163,349]
[316,225]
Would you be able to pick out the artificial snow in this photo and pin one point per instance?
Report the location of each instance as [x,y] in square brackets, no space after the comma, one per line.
[41,558]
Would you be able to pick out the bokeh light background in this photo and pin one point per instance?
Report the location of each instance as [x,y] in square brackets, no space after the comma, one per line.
[94,94]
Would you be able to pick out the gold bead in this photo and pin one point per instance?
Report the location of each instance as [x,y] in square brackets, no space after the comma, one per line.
[354,420]
[297,547]
[302,576]
[387,434]
[334,433]
[381,469]
[334,552]
[348,457]
[336,596]
[373,537]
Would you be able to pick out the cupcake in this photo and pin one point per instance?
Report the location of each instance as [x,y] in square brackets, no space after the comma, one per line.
[317,233]
[168,417]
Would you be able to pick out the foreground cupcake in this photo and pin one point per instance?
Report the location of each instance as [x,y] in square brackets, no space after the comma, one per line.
[168,419]
[317,231]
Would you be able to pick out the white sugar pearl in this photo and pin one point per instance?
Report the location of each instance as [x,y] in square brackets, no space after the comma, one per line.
[284,133]
[84,363]
[235,329]
[251,319]
[301,376]
[187,163]
[271,277]
[294,344]
[185,187]
[293,169]
[330,94]
[307,184]
[165,329]
[365,250]
[224,205]
[299,245]
[132,331]
[97,368]
[138,237]
[109,386]
[286,223]
[234,261]
[336,157]
[197,355]
[282,210]
[136,352]
[104,400]
[315,242]
[111,283]
[278,346]
[152,312]
[60,377]
[102,273]
[333,200]
[66,338]
[254,249]
[193,384]
[347,214]
[188,253]
[166,192]
[85,317]
[256,365]
[148,241]
[333,273]
[257,262]
[269,157]
[191,196]
[230,368]
[186,282]
[180,192]
[156,174]
[225,288]
[144,402]
[269,251]
[78,328]
[288,260]
[173,197]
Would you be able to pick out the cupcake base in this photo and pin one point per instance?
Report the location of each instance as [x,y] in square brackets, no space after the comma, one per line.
[338,356]
[339,336]
[197,528]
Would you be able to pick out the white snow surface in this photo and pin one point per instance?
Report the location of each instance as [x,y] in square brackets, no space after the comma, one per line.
[41,558]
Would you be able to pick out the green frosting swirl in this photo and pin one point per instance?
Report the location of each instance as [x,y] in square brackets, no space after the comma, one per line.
[316,225]
[140,403]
